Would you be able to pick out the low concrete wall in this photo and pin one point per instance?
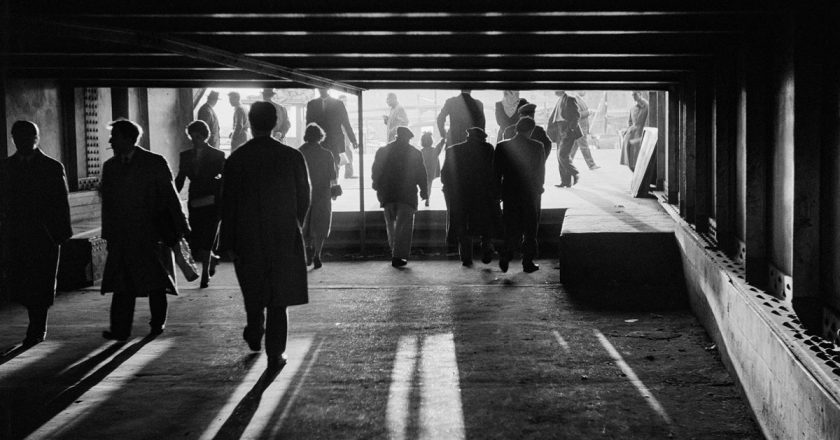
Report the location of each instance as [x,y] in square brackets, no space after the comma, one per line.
[791,379]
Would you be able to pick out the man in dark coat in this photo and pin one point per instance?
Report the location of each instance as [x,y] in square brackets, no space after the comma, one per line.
[283,125]
[141,219]
[265,197]
[564,129]
[528,110]
[464,112]
[34,221]
[396,174]
[520,170]
[208,115]
[331,115]
[239,135]
[472,204]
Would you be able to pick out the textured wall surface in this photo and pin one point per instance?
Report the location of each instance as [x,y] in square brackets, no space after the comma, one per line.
[36,101]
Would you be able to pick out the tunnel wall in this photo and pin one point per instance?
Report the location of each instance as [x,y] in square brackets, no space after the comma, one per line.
[37,101]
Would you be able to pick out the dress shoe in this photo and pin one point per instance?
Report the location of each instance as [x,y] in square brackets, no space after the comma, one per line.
[575,179]
[309,259]
[254,341]
[504,263]
[214,260]
[107,334]
[427,203]
[316,263]
[563,185]
[32,340]
[398,262]
[530,266]
[467,263]
[277,362]
[204,284]
[155,330]
[487,258]
[594,167]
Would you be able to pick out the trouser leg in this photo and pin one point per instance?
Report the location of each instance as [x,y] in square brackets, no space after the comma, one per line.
[158,305]
[530,224]
[583,145]
[37,322]
[513,231]
[403,228]
[255,317]
[276,330]
[348,169]
[122,313]
[465,247]
[567,169]
[317,245]
[390,212]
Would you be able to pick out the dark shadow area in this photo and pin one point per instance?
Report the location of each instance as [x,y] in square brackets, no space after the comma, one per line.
[12,352]
[625,297]
[30,419]
[235,425]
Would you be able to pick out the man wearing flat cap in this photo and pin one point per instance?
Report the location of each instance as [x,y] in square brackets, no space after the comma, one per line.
[396,175]
[520,171]
[528,110]
[208,115]
[472,197]
[282,126]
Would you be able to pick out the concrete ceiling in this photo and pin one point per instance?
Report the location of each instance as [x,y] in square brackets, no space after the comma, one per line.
[370,44]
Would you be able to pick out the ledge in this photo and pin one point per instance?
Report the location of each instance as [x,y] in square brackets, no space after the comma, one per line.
[791,379]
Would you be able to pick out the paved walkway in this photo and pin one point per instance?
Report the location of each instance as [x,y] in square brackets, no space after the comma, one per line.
[434,351]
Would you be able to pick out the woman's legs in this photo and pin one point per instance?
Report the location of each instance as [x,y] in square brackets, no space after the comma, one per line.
[317,245]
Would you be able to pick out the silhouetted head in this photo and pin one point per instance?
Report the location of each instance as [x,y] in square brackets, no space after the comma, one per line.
[525,126]
[510,95]
[267,94]
[637,96]
[233,98]
[528,109]
[26,136]
[124,135]
[213,98]
[559,92]
[466,91]
[323,92]
[313,133]
[391,100]
[404,133]
[263,117]
[426,139]
[198,131]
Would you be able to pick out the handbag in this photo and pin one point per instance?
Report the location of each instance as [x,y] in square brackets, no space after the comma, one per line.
[184,260]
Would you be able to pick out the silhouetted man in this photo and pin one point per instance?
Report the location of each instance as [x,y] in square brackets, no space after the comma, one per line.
[239,135]
[528,110]
[472,197]
[34,220]
[141,220]
[564,129]
[582,143]
[282,126]
[520,170]
[396,175]
[331,115]
[208,115]
[464,112]
[265,197]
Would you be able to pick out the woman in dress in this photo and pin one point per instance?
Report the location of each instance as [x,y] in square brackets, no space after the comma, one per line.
[322,175]
[203,165]
[506,114]
[632,142]
[431,160]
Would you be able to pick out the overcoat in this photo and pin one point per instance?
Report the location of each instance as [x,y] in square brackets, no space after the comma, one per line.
[520,171]
[470,188]
[240,128]
[141,217]
[331,115]
[397,172]
[265,197]
[464,112]
[321,167]
[538,135]
[632,142]
[34,221]
[208,115]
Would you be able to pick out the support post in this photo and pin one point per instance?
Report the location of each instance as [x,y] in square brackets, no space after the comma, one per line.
[67,109]
[672,172]
[702,152]
[361,155]
[725,159]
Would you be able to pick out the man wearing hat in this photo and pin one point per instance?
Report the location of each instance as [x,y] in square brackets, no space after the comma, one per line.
[472,197]
[283,124]
[520,172]
[564,129]
[208,115]
[464,112]
[239,135]
[397,172]
[528,110]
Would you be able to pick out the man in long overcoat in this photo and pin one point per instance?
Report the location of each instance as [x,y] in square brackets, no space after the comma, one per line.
[464,112]
[141,219]
[520,170]
[265,197]
[472,203]
[564,129]
[208,115]
[34,221]
[396,174]
[331,115]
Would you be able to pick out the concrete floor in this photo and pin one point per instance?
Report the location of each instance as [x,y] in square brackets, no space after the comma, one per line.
[434,351]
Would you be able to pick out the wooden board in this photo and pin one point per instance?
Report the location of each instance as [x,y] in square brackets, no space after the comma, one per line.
[643,162]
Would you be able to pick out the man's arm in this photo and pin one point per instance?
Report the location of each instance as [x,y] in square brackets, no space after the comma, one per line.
[420,177]
[441,119]
[230,194]
[345,122]
[302,185]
